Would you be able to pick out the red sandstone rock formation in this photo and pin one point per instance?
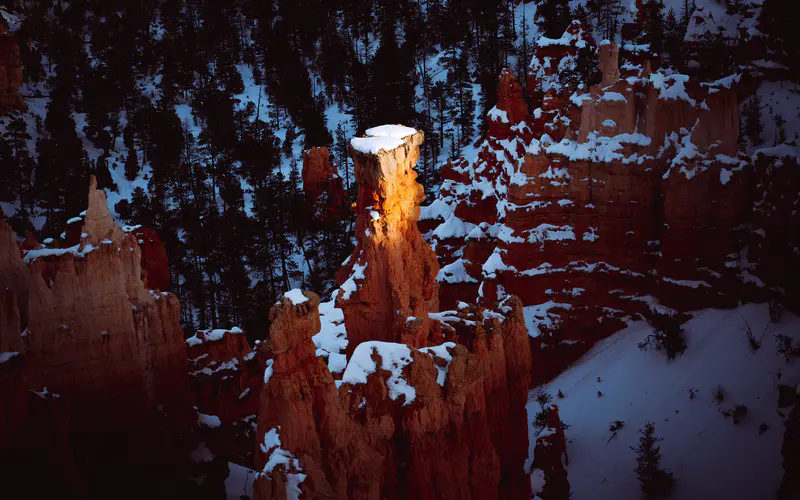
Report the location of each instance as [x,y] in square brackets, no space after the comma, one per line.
[388,284]
[511,110]
[10,73]
[155,265]
[322,184]
[441,422]
[628,194]
[99,339]
[225,377]
[549,458]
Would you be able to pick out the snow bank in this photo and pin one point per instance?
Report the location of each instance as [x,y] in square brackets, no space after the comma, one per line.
[391,131]
[5,356]
[373,145]
[455,272]
[211,335]
[296,296]
[331,341]
[709,455]
[539,316]
[208,420]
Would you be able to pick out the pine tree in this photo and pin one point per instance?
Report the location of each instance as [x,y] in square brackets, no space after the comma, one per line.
[605,15]
[673,36]
[752,120]
[654,480]
[780,129]
[554,17]
[654,25]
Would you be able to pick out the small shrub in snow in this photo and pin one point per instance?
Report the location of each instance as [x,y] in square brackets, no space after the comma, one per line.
[560,394]
[755,344]
[718,394]
[785,346]
[667,337]
[762,428]
[692,393]
[654,480]
[540,420]
[543,398]
[599,394]
[616,425]
[737,412]
[775,310]
[598,379]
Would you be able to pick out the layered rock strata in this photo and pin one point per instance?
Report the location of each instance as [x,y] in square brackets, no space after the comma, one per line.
[435,422]
[627,194]
[95,336]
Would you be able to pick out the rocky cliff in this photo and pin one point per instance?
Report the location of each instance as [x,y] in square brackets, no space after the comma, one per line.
[404,420]
[436,422]
[225,377]
[94,335]
[629,196]
[10,73]
[388,283]
[322,185]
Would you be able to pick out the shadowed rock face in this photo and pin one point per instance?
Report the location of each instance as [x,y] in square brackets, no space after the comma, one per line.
[10,73]
[322,185]
[225,377]
[624,195]
[550,456]
[388,284]
[93,334]
[455,435]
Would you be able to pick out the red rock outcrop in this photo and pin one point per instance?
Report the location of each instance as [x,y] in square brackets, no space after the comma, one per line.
[404,420]
[10,73]
[322,185]
[388,284]
[439,422]
[95,336]
[549,459]
[225,378]
[155,265]
[628,195]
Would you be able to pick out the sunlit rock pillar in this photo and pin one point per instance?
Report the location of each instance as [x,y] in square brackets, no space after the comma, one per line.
[388,284]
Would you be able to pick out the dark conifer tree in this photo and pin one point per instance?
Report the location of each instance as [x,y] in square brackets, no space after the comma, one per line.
[654,480]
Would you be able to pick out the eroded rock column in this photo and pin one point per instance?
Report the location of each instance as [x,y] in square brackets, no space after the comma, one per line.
[388,284]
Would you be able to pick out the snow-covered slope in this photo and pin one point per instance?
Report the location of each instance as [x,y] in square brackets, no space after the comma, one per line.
[709,455]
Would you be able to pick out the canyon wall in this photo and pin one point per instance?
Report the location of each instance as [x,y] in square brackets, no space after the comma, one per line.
[82,326]
[430,404]
[604,203]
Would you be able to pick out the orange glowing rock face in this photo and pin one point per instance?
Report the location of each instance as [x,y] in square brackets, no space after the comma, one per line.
[388,285]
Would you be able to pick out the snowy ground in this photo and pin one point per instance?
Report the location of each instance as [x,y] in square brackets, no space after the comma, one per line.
[779,98]
[709,455]
[239,482]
